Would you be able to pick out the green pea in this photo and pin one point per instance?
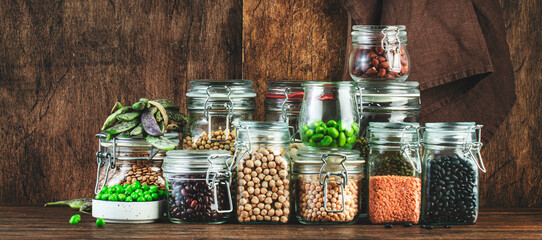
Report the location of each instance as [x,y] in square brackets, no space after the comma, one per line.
[317,137]
[141,199]
[105,196]
[312,143]
[309,133]
[349,132]
[129,199]
[136,184]
[100,222]
[331,123]
[320,130]
[313,125]
[110,190]
[138,191]
[75,219]
[134,196]
[146,187]
[342,139]
[113,197]
[122,197]
[128,191]
[351,140]
[333,132]
[98,197]
[326,141]
[153,188]
[305,128]
[148,197]
[161,193]
[154,196]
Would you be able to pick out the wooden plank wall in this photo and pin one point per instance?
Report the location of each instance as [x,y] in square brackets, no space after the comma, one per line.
[63,63]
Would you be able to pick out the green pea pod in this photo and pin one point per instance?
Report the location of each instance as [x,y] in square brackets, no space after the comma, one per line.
[317,137]
[74,203]
[158,116]
[137,130]
[112,119]
[351,140]
[331,123]
[139,106]
[342,139]
[86,208]
[129,116]
[349,131]
[160,142]
[333,132]
[149,123]
[177,117]
[117,106]
[326,141]
[123,127]
[320,130]
[167,104]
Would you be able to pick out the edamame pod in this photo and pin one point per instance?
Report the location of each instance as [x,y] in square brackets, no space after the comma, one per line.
[161,142]
[123,127]
[137,130]
[149,122]
[112,119]
[129,116]
[342,139]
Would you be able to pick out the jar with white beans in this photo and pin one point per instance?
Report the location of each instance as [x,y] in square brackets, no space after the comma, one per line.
[263,172]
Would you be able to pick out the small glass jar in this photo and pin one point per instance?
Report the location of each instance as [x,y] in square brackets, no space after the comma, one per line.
[328,186]
[329,117]
[450,164]
[263,172]
[379,53]
[387,101]
[198,186]
[213,107]
[394,173]
[126,160]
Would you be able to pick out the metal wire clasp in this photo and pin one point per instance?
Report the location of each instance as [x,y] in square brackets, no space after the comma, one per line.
[407,148]
[227,105]
[342,174]
[214,177]
[391,46]
[111,163]
[473,148]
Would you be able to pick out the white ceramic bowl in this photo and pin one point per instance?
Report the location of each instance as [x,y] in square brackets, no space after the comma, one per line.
[127,212]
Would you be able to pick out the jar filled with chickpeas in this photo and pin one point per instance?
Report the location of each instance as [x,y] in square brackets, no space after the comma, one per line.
[328,186]
[213,107]
[263,172]
[124,160]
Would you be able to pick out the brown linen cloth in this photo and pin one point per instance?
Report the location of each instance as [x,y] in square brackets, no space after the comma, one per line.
[458,54]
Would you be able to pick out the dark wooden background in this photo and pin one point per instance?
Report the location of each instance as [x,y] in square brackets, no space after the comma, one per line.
[64,63]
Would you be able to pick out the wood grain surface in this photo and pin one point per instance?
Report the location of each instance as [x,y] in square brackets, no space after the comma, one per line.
[22,222]
[63,63]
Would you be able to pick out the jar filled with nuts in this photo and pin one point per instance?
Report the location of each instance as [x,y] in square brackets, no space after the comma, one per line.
[329,117]
[263,172]
[450,164]
[387,101]
[123,160]
[213,107]
[394,173]
[198,186]
[379,53]
[328,186]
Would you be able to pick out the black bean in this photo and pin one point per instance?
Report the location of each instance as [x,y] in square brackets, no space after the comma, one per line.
[388,226]
[407,225]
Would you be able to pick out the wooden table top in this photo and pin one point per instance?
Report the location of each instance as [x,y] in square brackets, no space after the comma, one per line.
[18,221]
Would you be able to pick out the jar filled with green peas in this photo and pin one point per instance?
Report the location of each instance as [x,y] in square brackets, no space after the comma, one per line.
[329,117]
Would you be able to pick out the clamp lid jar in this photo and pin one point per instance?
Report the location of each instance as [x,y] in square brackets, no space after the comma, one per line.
[213,106]
[379,53]
[283,101]
[328,186]
[198,184]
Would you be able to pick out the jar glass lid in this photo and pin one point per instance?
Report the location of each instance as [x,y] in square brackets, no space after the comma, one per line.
[277,89]
[310,161]
[372,34]
[196,161]
[262,132]
[382,133]
[450,132]
[217,89]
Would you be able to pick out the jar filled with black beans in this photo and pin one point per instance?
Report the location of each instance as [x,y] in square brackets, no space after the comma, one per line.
[198,184]
[450,164]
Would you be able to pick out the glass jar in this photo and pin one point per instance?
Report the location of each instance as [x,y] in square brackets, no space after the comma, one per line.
[450,164]
[394,173]
[379,53]
[126,160]
[328,186]
[263,172]
[213,107]
[329,117]
[198,186]
[387,101]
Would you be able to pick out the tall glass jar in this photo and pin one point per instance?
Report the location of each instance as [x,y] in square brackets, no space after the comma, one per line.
[213,107]
[379,53]
[126,160]
[387,101]
[263,172]
[329,117]
[394,173]
[198,186]
[450,163]
[328,186]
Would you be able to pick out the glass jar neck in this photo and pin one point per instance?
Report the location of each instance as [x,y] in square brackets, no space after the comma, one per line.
[252,132]
[221,94]
[393,134]
[375,34]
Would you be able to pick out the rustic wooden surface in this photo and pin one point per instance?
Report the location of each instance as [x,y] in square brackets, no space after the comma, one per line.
[63,63]
[34,221]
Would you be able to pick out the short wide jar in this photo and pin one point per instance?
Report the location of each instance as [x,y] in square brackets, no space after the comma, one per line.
[328,186]
[198,185]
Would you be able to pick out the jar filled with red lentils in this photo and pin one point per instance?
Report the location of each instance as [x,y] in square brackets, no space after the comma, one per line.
[213,107]
[394,173]
[263,172]
[451,165]
[198,186]
[328,186]
[379,53]
[124,160]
